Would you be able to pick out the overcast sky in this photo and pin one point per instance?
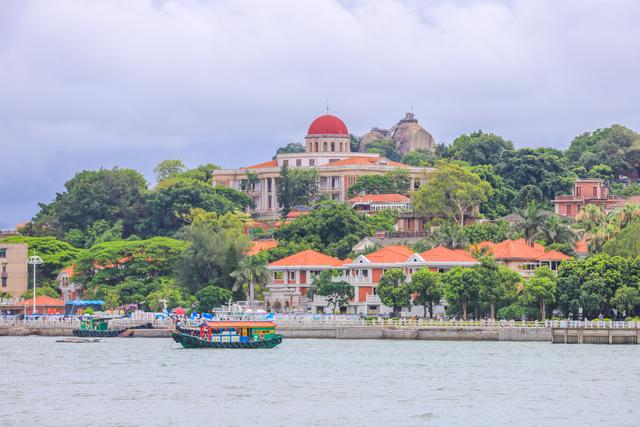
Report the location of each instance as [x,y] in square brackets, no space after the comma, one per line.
[90,84]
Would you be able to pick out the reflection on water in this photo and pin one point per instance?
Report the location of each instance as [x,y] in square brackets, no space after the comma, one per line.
[317,382]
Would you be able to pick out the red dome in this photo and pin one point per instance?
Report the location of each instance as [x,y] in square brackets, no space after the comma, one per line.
[328,125]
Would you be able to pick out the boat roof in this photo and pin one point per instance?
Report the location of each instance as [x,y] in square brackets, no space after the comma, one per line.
[240,324]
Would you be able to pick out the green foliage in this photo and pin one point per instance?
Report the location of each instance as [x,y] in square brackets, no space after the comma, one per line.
[497,283]
[451,191]
[168,169]
[292,147]
[167,207]
[212,296]
[397,181]
[541,289]
[384,220]
[601,171]
[492,231]
[626,299]
[630,190]
[479,148]
[46,291]
[500,200]
[332,228]
[215,251]
[516,311]
[338,294]
[394,291]
[252,271]
[427,287]
[169,291]
[55,253]
[449,235]
[298,186]
[110,195]
[203,173]
[419,158]
[353,142]
[627,243]
[529,194]
[462,286]
[384,147]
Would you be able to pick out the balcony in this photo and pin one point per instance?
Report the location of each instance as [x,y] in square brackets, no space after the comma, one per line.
[353,280]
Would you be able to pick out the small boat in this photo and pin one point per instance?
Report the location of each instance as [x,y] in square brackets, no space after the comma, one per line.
[228,334]
[99,328]
[79,340]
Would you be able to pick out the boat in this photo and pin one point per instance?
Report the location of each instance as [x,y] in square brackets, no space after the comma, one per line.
[79,340]
[228,334]
[99,328]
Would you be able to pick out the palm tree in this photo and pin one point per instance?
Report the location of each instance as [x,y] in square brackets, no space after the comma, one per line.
[450,236]
[591,217]
[554,230]
[252,270]
[627,214]
[532,223]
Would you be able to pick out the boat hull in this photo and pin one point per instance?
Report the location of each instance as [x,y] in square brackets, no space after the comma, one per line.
[189,341]
[108,333]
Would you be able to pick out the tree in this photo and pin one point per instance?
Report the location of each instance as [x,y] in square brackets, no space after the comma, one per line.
[496,283]
[555,230]
[292,147]
[449,235]
[542,289]
[107,194]
[533,220]
[214,253]
[392,182]
[626,300]
[529,194]
[55,253]
[462,285]
[212,296]
[338,294]
[419,158]
[500,200]
[166,208]
[627,243]
[331,227]
[252,271]
[479,148]
[384,147]
[168,169]
[427,287]
[169,293]
[394,291]
[496,231]
[452,191]
[296,187]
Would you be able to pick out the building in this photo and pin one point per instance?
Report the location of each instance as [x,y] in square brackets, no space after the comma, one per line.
[13,269]
[590,191]
[44,305]
[518,256]
[371,203]
[69,288]
[328,150]
[292,276]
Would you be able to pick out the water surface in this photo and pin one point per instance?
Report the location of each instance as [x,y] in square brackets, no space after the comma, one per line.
[127,382]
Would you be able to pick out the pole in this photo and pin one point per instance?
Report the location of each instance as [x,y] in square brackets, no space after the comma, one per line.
[34,290]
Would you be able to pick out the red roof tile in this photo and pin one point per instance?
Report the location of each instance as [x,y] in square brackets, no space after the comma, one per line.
[43,301]
[442,254]
[269,164]
[258,246]
[390,254]
[308,257]
[365,161]
[581,246]
[519,250]
[553,256]
[296,214]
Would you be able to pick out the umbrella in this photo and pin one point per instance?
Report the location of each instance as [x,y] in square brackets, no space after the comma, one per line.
[179,311]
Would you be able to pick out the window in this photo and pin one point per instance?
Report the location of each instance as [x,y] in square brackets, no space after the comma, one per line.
[365,273]
[285,162]
[3,252]
[269,185]
[278,275]
[4,281]
[568,209]
[312,162]
[578,191]
[292,276]
[595,191]
[298,162]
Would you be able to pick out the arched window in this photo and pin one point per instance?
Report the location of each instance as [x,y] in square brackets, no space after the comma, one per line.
[317,149]
[333,146]
[341,147]
[324,146]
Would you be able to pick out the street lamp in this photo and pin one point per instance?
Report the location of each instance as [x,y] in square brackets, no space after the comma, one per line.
[34,260]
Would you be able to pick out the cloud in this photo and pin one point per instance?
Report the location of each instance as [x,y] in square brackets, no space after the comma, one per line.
[130,83]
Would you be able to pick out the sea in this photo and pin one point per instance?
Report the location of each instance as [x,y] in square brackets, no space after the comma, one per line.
[307,382]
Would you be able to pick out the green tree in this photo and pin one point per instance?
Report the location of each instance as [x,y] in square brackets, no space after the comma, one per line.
[338,294]
[397,181]
[168,169]
[497,231]
[627,243]
[394,291]
[479,148]
[55,253]
[419,158]
[452,191]
[384,147]
[556,230]
[500,200]
[167,292]
[462,285]
[252,271]
[110,195]
[626,300]
[292,147]
[449,235]
[427,288]
[212,296]
[496,283]
[529,194]
[542,289]
[532,224]
[297,186]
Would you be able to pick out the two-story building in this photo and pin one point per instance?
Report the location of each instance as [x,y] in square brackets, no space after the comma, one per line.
[518,256]
[591,191]
[13,269]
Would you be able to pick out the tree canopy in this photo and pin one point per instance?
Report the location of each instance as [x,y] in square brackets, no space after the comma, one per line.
[479,148]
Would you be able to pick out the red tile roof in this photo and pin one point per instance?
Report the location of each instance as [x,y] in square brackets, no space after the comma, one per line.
[442,254]
[269,164]
[68,270]
[43,301]
[553,256]
[258,246]
[581,246]
[365,161]
[296,214]
[519,250]
[381,198]
[308,257]
[390,254]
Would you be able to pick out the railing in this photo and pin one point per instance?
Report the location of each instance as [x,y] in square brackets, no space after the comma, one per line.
[353,279]
[72,322]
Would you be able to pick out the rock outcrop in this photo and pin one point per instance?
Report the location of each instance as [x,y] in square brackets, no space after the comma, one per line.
[407,135]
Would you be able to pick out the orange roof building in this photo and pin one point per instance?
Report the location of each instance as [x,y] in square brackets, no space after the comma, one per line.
[328,150]
[44,305]
[519,256]
[258,246]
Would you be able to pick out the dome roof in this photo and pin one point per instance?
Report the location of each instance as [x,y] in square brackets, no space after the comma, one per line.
[328,125]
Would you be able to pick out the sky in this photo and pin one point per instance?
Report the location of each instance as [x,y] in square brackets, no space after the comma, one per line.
[128,83]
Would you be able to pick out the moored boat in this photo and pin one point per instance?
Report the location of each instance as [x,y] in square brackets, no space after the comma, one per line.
[99,328]
[228,334]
